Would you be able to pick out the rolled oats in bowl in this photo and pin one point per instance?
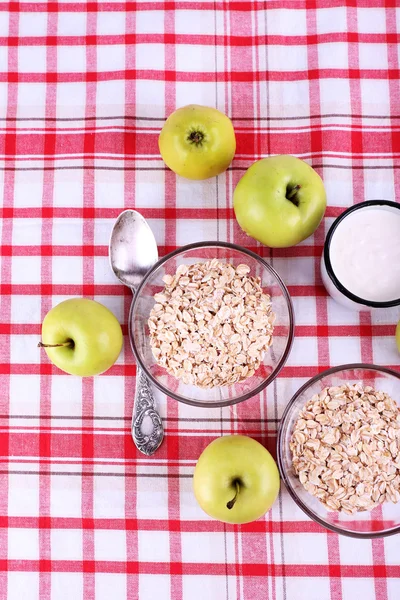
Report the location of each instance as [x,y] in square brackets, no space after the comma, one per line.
[345,448]
[211,324]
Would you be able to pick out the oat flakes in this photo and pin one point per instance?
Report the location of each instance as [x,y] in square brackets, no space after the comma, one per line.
[346,448]
[211,324]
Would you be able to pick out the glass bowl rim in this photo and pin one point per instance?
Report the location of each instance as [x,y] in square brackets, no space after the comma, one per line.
[267,381]
[282,471]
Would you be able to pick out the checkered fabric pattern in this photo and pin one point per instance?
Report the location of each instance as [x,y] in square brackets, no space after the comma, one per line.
[84,91]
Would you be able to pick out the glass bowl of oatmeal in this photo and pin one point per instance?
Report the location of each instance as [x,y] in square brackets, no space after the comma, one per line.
[339,450]
[211,324]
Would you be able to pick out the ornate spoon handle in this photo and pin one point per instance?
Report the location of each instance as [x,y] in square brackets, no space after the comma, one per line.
[144,408]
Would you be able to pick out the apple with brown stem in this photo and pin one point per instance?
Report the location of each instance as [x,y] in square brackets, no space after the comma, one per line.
[236,480]
[81,337]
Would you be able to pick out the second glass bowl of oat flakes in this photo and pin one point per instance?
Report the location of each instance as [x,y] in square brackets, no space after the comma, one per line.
[383,520]
[274,358]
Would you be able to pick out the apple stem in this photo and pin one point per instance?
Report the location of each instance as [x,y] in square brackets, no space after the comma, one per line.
[196,137]
[293,192]
[231,503]
[41,345]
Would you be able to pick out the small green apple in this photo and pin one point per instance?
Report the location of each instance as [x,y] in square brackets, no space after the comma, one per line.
[197,142]
[81,337]
[398,336]
[279,201]
[236,480]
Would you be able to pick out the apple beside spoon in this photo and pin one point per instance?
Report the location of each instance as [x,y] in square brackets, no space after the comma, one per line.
[132,252]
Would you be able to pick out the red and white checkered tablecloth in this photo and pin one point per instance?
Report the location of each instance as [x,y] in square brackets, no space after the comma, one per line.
[84,91]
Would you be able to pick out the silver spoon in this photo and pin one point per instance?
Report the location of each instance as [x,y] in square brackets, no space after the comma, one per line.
[132,252]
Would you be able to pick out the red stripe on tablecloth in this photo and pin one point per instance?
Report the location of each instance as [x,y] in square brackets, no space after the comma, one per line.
[202,39]
[6,303]
[44,441]
[74,136]
[394,91]
[94,444]
[240,5]
[109,289]
[358,144]
[87,440]
[321,303]
[248,549]
[223,206]
[273,253]
[91,250]
[378,545]
[179,568]
[131,483]
[172,447]
[187,526]
[130,370]
[251,144]
[60,212]
[394,85]
[203,76]
[241,101]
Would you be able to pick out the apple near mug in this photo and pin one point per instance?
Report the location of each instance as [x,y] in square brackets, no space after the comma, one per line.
[279,201]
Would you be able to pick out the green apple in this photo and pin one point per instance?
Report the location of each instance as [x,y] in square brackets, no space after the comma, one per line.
[236,480]
[279,201]
[81,337]
[197,142]
[398,336]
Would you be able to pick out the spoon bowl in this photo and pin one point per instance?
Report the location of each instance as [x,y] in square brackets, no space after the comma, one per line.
[133,248]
